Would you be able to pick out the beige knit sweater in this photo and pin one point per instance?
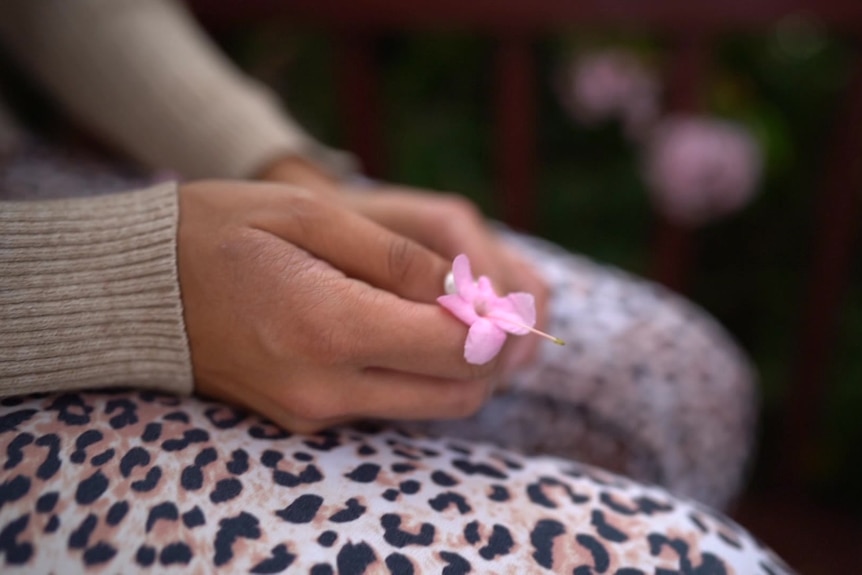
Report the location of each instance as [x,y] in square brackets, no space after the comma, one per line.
[88,287]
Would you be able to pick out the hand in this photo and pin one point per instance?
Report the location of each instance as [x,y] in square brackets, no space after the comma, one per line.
[445,223]
[313,315]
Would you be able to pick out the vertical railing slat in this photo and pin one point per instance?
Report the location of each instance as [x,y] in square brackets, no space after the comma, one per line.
[515,132]
[836,227]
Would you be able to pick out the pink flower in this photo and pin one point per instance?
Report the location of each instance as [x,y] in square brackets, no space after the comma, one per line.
[489,316]
[612,85]
[699,168]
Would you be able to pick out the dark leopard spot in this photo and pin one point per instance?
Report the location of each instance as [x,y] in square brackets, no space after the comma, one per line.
[206,456]
[402,467]
[192,478]
[148,483]
[277,562]
[189,436]
[354,559]
[145,556]
[536,492]
[116,513]
[321,569]
[500,543]
[325,441]
[99,553]
[398,564]
[166,510]
[51,465]
[327,538]
[365,473]
[244,525]
[270,458]
[471,532]
[409,487]
[606,530]
[239,462]
[391,494]
[180,416]
[352,512]
[71,409]
[152,432]
[225,490]
[91,488]
[308,475]
[16,553]
[542,538]
[102,458]
[53,524]
[443,479]
[174,553]
[398,538]
[302,510]
[194,517]
[478,469]
[128,413]
[601,558]
[442,501]
[14,489]
[15,449]
[224,417]
[136,456]
[457,565]
[498,493]
[303,456]
[80,537]
[268,432]
[47,502]
[12,420]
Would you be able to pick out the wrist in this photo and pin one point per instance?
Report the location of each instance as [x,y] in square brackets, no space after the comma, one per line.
[302,172]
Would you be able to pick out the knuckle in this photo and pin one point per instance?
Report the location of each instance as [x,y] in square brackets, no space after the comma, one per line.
[456,211]
[400,259]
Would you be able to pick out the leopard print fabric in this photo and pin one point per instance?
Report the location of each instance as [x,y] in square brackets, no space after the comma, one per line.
[132,481]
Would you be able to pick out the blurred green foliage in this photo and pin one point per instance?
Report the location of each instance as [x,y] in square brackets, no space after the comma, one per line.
[751,270]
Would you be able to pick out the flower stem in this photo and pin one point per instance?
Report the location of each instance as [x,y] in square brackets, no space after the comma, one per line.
[556,340]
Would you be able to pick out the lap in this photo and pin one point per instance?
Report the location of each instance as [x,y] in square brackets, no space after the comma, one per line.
[124,481]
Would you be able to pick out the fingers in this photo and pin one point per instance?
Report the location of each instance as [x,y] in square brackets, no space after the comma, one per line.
[362,249]
[395,395]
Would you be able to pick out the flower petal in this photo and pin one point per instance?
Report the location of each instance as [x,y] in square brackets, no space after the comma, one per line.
[459,307]
[484,341]
[463,276]
[510,311]
[486,288]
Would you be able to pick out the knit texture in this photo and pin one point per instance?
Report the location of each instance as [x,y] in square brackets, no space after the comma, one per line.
[89,295]
[144,76]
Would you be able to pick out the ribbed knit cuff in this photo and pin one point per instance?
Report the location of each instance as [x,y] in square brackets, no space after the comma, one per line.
[89,295]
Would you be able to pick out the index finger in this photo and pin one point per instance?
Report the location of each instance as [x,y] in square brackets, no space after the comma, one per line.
[358,247]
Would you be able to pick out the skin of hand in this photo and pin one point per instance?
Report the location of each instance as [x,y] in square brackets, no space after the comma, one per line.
[313,315]
[447,224]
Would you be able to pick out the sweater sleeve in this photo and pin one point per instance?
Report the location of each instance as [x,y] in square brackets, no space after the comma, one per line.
[89,295]
[143,75]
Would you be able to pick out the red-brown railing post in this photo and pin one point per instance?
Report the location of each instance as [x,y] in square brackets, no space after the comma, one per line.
[836,225]
[358,85]
[515,129]
[674,245]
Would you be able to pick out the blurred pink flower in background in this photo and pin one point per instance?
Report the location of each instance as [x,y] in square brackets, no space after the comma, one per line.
[611,85]
[699,169]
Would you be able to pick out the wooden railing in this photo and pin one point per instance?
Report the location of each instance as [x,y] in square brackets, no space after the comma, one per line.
[691,28]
